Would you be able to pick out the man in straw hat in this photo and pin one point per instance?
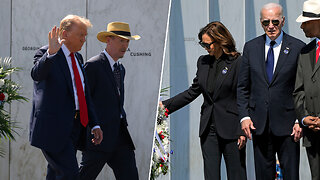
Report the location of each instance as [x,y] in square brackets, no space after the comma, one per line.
[106,77]
[307,87]
[62,108]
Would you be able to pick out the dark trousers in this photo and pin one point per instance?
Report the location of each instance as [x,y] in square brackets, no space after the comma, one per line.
[63,165]
[213,147]
[266,146]
[313,153]
[121,160]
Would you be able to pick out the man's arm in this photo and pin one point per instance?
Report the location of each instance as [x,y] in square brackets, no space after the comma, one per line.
[243,93]
[185,97]
[45,56]
[299,94]
[299,100]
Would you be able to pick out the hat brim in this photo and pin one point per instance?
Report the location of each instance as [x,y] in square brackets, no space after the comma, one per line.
[101,36]
[305,19]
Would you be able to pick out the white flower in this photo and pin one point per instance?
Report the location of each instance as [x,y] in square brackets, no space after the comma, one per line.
[1,82]
[5,96]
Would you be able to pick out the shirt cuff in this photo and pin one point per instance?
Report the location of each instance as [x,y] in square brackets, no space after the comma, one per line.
[244,118]
[50,55]
[95,127]
[302,121]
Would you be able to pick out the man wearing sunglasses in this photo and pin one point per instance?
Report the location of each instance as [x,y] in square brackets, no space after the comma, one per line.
[306,93]
[265,101]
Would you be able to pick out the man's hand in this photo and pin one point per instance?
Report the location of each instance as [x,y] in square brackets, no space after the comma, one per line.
[241,142]
[54,44]
[246,125]
[296,132]
[98,136]
[312,123]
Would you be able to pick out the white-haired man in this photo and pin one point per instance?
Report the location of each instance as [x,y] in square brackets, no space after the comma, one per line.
[266,108]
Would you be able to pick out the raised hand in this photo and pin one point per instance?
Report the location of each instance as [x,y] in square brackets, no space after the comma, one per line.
[54,43]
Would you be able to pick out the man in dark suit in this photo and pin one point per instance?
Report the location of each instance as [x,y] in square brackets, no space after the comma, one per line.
[265,101]
[62,107]
[306,92]
[106,79]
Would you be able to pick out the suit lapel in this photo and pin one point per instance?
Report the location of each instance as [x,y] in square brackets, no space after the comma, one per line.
[261,59]
[221,77]
[282,56]
[109,72]
[65,69]
[122,73]
[204,74]
[80,62]
[312,58]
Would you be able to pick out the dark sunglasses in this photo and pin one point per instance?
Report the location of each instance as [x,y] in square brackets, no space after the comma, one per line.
[205,45]
[275,22]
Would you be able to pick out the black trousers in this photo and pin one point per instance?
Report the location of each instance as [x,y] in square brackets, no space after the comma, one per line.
[313,153]
[213,147]
[266,146]
[63,165]
[121,160]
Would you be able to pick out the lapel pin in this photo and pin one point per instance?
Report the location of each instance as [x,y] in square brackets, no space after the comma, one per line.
[225,70]
[286,51]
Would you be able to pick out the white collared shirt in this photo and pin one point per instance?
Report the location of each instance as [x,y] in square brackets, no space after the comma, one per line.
[111,60]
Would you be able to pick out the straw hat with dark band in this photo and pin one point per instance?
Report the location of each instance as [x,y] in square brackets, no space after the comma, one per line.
[311,11]
[119,29]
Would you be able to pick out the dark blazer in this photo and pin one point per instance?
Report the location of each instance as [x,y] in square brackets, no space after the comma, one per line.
[108,103]
[306,93]
[223,102]
[53,107]
[257,98]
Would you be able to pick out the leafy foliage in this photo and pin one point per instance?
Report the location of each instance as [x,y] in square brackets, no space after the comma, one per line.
[9,92]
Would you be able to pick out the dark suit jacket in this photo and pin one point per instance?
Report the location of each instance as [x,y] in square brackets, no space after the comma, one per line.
[260,100]
[306,93]
[53,107]
[108,103]
[223,102]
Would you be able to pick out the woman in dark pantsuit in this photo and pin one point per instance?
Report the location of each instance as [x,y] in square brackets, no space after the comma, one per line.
[216,80]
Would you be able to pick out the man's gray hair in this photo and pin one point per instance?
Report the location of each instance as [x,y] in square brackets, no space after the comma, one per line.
[271,6]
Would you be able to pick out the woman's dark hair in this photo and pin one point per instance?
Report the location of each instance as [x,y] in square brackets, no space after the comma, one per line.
[221,35]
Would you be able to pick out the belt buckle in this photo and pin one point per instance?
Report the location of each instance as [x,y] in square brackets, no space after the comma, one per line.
[76,115]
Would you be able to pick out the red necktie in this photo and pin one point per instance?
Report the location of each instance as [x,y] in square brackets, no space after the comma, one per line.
[81,98]
[318,51]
